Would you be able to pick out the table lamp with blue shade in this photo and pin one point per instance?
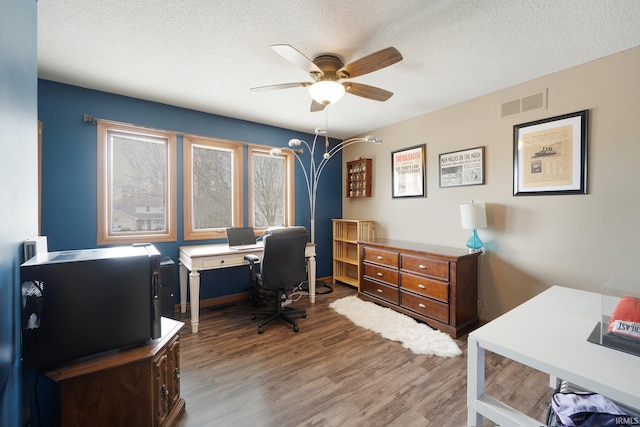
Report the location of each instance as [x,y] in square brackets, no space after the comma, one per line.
[474,216]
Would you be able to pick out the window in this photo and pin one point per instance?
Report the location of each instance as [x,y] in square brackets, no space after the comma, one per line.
[271,200]
[136,184]
[212,187]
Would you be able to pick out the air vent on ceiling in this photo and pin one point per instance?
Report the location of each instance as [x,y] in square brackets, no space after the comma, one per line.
[536,101]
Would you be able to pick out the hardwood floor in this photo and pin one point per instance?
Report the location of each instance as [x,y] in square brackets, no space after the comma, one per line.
[331,373]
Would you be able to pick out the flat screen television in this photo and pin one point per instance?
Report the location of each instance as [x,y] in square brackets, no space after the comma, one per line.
[84,302]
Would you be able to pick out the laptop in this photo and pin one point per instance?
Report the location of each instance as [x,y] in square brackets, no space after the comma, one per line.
[242,239]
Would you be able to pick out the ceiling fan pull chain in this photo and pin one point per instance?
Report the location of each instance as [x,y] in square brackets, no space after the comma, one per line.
[326,132]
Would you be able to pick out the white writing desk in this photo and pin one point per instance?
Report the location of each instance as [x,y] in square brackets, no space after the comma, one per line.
[549,333]
[209,257]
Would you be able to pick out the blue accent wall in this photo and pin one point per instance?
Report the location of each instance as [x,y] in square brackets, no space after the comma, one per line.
[69,188]
[19,190]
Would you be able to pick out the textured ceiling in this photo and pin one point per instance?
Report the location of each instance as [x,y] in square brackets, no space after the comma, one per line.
[206,54]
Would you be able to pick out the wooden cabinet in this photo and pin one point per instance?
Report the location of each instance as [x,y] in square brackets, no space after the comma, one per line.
[359,178]
[346,255]
[166,384]
[435,284]
[139,386]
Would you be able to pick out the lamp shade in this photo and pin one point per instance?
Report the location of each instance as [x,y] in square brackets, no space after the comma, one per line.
[473,215]
[326,91]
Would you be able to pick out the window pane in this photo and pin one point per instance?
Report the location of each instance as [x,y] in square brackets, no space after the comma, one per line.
[269,190]
[212,188]
[138,183]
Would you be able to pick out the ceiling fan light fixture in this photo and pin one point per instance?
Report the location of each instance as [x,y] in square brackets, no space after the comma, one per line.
[326,91]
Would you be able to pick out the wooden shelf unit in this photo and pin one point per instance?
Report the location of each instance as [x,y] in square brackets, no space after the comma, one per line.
[346,252]
[358,178]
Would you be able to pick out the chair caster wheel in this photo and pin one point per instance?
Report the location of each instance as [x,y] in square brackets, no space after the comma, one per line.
[304,315]
[295,328]
[253,317]
[260,330]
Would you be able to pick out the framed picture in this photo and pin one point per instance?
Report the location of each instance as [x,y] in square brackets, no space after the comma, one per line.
[550,156]
[460,168]
[408,172]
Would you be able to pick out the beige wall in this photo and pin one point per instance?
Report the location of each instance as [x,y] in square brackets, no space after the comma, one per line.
[533,242]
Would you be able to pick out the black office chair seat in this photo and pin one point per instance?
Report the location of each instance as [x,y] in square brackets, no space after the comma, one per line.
[282,269]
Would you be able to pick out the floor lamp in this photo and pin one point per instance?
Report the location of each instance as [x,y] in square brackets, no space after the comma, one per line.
[313,170]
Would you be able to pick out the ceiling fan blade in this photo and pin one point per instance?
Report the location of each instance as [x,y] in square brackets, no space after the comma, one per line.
[366,91]
[376,61]
[280,86]
[316,106]
[294,56]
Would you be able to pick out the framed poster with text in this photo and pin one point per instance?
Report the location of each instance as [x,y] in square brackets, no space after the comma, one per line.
[408,172]
[461,168]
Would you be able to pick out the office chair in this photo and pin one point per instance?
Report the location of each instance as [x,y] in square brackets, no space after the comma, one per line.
[283,267]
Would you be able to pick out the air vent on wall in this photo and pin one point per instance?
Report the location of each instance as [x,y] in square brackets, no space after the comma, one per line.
[536,101]
[510,108]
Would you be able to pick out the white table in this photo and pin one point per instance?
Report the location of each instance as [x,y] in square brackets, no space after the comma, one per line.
[208,257]
[549,333]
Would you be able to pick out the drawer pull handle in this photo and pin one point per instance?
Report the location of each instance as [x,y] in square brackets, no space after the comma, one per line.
[421,286]
[422,266]
[380,258]
[422,306]
[163,391]
[379,274]
[379,290]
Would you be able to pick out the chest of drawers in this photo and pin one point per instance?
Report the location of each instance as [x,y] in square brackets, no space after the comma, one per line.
[434,284]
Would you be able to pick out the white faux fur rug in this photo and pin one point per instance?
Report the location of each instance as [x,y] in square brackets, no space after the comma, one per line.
[415,336]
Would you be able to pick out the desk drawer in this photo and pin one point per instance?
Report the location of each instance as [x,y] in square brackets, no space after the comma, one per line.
[428,266]
[230,260]
[380,256]
[427,287]
[379,290]
[381,273]
[425,306]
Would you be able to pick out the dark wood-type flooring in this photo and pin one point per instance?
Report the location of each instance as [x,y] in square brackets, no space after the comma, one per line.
[331,373]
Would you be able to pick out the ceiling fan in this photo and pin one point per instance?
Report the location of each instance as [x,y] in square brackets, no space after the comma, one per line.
[328,70]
